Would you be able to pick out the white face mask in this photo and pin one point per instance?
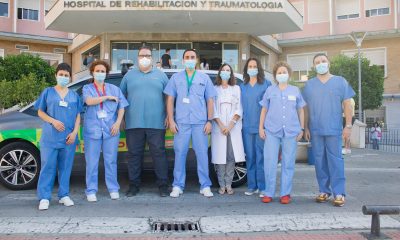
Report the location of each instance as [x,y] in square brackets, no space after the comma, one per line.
[282,78]
[145,62]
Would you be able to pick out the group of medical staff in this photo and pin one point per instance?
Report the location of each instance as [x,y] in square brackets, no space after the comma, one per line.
[258,122]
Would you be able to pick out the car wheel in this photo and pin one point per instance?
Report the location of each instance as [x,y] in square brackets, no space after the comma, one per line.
[239,177]
[19,166]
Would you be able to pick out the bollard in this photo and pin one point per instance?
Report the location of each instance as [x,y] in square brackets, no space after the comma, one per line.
[376,211]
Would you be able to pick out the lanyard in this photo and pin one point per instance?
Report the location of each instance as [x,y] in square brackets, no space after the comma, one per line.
[98,93]
[189,82]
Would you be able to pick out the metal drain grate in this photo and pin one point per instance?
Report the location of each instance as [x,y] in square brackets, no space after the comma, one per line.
[176,227]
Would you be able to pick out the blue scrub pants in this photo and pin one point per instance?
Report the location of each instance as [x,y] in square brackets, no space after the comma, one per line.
[55,161]
[109,146]
[271,152]
[200,147]
[329,164]
[254,149]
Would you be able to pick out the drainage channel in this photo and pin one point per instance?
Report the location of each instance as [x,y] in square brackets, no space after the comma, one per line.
[160,227]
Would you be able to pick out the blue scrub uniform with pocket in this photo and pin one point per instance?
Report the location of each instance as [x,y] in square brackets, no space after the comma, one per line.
[98,122]
[191,117]
[57,157]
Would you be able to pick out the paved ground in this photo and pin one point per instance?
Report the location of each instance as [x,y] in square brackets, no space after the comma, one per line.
[372,178]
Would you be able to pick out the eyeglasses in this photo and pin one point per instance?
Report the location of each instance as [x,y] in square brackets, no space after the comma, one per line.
[144,56]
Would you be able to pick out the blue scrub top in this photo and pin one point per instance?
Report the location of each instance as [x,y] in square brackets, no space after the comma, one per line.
[202,89]
[49,102]
[282,118]
[324,102]
[251,96]
[144,92]
[94,127]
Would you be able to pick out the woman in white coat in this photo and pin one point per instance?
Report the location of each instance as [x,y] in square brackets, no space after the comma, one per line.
[226,136]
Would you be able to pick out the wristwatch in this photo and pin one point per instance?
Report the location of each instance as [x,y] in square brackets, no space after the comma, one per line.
[302,129]
[209,121]
[349,126]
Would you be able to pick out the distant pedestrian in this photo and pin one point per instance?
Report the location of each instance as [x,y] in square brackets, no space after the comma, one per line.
[376,136]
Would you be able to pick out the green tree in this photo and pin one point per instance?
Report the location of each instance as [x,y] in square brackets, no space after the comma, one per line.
[21,92]
[372,78]
[13,67]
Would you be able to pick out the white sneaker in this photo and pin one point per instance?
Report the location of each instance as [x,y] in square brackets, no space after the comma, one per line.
[66,201]
[348,151]
[44,204]
[206,192]
[344,151]
[261,195]
[176,192]
[251,192]
[91,198]
[114,195]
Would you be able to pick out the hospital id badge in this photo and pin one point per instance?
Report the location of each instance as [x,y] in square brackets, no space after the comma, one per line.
[186,100]
[101,114]
[292,98]
[63,104]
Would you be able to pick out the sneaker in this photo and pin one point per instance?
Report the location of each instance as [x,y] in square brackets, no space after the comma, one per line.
[221,190]
[229,190]
[91,198]
[348,151]
[44,204]
[114,195]
[132,191]
[251,192]
[344,151]
[338,201]
[206,192]
[285,199]
[176,192]
[261,195]
[66,201]
[322,197]
[163,189]
[266,199]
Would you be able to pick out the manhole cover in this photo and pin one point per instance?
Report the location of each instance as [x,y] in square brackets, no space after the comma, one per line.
[176,227]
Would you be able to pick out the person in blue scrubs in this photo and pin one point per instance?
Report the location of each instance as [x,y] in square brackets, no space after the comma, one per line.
[253,89]
[194,93]
[60,109]
[281,125]
[325,95]
[104,113]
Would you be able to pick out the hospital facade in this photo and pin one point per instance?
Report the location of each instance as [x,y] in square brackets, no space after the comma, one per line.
[221,31]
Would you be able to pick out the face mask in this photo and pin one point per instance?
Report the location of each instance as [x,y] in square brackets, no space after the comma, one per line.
[225,75]
[62,81]
[322,68]
[190,64]
[282,78]
[145,62]
[99,77]
[252,72]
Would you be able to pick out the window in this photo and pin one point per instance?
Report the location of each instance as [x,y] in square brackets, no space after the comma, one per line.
[347,9]
[21,47]
[376,56]
[377,12]
[28,14]
[301,65]
[3,8]
[299,7]
[318,11]
[2,53]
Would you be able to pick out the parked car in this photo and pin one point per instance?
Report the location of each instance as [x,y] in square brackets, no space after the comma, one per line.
[20,133]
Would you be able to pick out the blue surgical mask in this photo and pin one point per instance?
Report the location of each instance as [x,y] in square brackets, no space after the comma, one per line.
[322,68]
[282,78]
[62,81]
[252,72]
[225,75]
[190,64]
[99,77]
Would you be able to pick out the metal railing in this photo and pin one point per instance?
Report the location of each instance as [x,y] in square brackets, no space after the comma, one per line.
[389,141]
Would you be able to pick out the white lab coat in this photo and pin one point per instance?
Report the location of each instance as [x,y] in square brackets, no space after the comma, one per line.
[226,105]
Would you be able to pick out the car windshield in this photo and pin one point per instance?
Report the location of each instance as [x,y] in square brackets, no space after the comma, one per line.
[114,79]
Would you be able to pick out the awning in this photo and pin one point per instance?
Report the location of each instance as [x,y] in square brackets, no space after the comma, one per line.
[255,17]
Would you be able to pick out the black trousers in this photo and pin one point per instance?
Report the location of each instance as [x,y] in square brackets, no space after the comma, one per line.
[136,141]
